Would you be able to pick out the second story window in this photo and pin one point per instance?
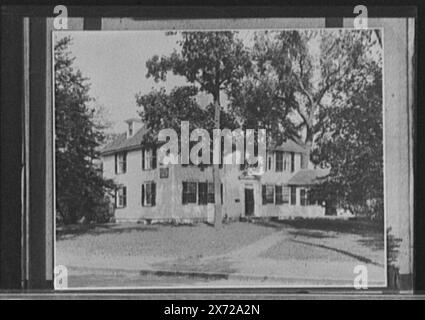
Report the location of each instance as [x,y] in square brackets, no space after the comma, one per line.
[279,161]
[149,159]
[286,162]
[120,162]
[292,161]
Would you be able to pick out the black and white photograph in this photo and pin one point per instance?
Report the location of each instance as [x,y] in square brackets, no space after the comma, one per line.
[309,213]
[202,152]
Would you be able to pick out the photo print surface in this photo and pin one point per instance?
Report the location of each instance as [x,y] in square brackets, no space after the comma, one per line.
[220,158]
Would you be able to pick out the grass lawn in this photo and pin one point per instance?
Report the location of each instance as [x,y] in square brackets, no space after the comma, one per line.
[162,241]
[261,248]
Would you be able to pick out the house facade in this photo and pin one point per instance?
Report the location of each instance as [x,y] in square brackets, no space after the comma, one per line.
[152,191]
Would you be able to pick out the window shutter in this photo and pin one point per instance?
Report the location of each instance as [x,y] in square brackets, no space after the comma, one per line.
[184,190]
[124,196]
[124,162]
[154,158]
[292,162]
[116,163]
[293,195]
[264,194]
[202,193]
[221,193]
[278,194]
[143,195]
[153,187]
[143,159]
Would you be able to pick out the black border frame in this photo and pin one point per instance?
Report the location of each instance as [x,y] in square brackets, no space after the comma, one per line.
[11,101]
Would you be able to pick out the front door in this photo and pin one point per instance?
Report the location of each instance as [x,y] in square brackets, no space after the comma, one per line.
[249,202]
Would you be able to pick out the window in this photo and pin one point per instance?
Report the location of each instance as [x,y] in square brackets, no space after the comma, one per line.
[268,194]
[189,192]
[279,161]
[130,129]
[303,197]
[293,195]
[282,194]
[211,195]
[149,194]
[163,173]
[269,166]
[149,159]
[120,163]
[286,162]
[285,194]
[203,193]
[121,197]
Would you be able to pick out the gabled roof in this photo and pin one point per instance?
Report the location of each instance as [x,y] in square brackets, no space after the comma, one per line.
[122,143]
[306,177]
[289,146]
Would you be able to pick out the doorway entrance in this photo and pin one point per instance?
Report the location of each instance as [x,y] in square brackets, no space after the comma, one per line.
[249,202]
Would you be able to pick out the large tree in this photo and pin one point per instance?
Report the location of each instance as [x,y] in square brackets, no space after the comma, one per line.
[80,187]
[211,61]
[308,65]
[350,142]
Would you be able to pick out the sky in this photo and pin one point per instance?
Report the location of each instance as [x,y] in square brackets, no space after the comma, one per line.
[114,62]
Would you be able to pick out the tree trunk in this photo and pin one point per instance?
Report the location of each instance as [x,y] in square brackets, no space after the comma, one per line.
[218,216]
[305,159]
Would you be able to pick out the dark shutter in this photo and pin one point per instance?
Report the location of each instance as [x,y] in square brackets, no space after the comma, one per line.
[278,194]
[124,196]
[221,193]
[153,187]
[293,195]
[292,162]
[116,163]
[154,158]
[143,159]
[143,194]
[124,167]
[184,192]
[263,193]
[202,193]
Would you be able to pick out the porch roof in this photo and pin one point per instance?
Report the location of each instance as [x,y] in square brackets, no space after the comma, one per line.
[306,177]
[288,146]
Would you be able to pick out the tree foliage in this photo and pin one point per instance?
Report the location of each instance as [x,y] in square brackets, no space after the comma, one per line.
[324,86]
[350,142]
[80,187]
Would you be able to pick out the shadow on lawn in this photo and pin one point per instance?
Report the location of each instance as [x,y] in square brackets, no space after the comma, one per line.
[359,226]
[311,234]
[73,231]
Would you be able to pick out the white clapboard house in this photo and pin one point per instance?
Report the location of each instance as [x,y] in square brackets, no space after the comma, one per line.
[151,191]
